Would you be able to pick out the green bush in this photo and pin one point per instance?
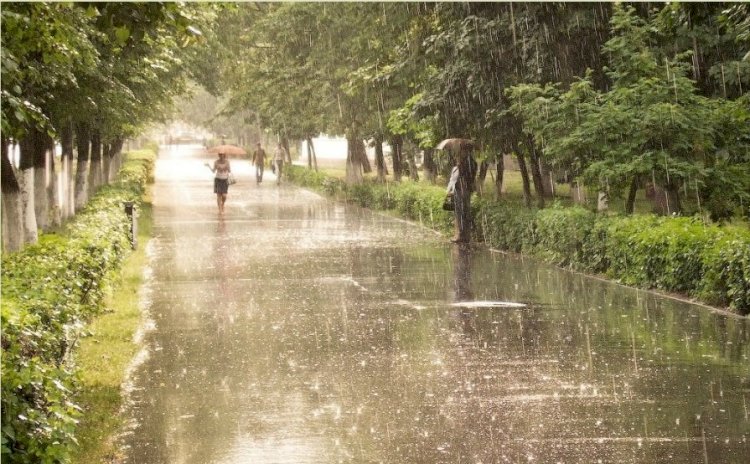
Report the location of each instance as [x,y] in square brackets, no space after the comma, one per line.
[624,248]
[726,265]
[308,178]
[560,234]
[594,257]
[49,291]
[505,226]
[672,254]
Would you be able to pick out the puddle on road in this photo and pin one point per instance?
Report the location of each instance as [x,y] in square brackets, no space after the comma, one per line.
[296,330]
[487,304]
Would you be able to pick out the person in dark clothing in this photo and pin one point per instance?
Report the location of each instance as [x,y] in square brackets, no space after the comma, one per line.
[461,187]
[259,160]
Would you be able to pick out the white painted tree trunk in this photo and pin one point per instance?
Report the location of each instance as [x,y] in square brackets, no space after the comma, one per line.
[81,185]
[26,183]
[116,164]
[107,168]
[95,176]
[41,200]
[54,193]
[69,203]
[12,218]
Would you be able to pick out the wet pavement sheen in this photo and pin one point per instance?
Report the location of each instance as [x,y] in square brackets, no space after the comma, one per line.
[300,330]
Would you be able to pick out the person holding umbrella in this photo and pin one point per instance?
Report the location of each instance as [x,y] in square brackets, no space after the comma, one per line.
[461,185]
[222,171]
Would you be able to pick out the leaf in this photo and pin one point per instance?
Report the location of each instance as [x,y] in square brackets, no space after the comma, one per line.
[92,12]
[122,34]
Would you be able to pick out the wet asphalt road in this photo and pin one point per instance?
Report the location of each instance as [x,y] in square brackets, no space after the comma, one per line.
[298,330]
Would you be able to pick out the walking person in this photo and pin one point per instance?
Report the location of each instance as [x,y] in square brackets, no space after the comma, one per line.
[461,186]
[278,161]
[222,170]
[259,160]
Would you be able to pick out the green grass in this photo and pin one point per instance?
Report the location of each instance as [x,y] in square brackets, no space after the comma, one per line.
[104,356]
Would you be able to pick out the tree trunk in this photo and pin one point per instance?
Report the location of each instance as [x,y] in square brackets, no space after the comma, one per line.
[500,175]
[673,196]
[312,161]
[463,220]
[314,156]
[114,156]
[363,159]
[413,174]
[12,210]
[107,153]
[353,160]
[66,160]
[630,202]
[429,165]
[524,177]
[602,203]
[83,142]
[396,155]
[54,201]
[287,153]
[483,168]
[536,174]
[28,147]
[309,152]
[38,146]
[95,163]
[380,159]
[548,182]
[578,193]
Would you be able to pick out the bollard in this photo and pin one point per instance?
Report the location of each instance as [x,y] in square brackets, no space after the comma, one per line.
[130,211]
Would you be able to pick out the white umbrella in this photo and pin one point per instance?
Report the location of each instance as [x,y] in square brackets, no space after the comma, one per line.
[452,144]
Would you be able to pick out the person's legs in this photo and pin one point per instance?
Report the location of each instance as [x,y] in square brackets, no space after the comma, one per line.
[279,166]
[223,200]
[462,216]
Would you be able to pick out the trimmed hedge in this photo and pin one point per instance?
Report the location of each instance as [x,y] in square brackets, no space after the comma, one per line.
[49,291]
[673,254]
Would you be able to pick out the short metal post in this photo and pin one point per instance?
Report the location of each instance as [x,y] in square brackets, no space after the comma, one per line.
[130,211]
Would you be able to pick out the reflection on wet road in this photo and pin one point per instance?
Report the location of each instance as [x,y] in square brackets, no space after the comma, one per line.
[299,330]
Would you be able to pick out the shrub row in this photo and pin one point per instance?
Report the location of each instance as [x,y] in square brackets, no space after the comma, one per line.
[673,254]
[49,291]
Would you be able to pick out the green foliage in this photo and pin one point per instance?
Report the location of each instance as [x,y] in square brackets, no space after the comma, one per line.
[620,244]
[560,234]
[681,255]
[49,291]
[726,267]
[309,178]
[505,226]
[651,123]
[45,46]
[113,65]
[594,256]
[411,199]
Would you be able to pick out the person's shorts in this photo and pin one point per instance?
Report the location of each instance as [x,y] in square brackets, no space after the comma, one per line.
[221,186]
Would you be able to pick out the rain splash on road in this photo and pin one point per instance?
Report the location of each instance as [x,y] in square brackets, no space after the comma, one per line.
[300,330]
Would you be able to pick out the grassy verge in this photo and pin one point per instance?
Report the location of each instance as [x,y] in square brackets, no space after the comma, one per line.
[104,355]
